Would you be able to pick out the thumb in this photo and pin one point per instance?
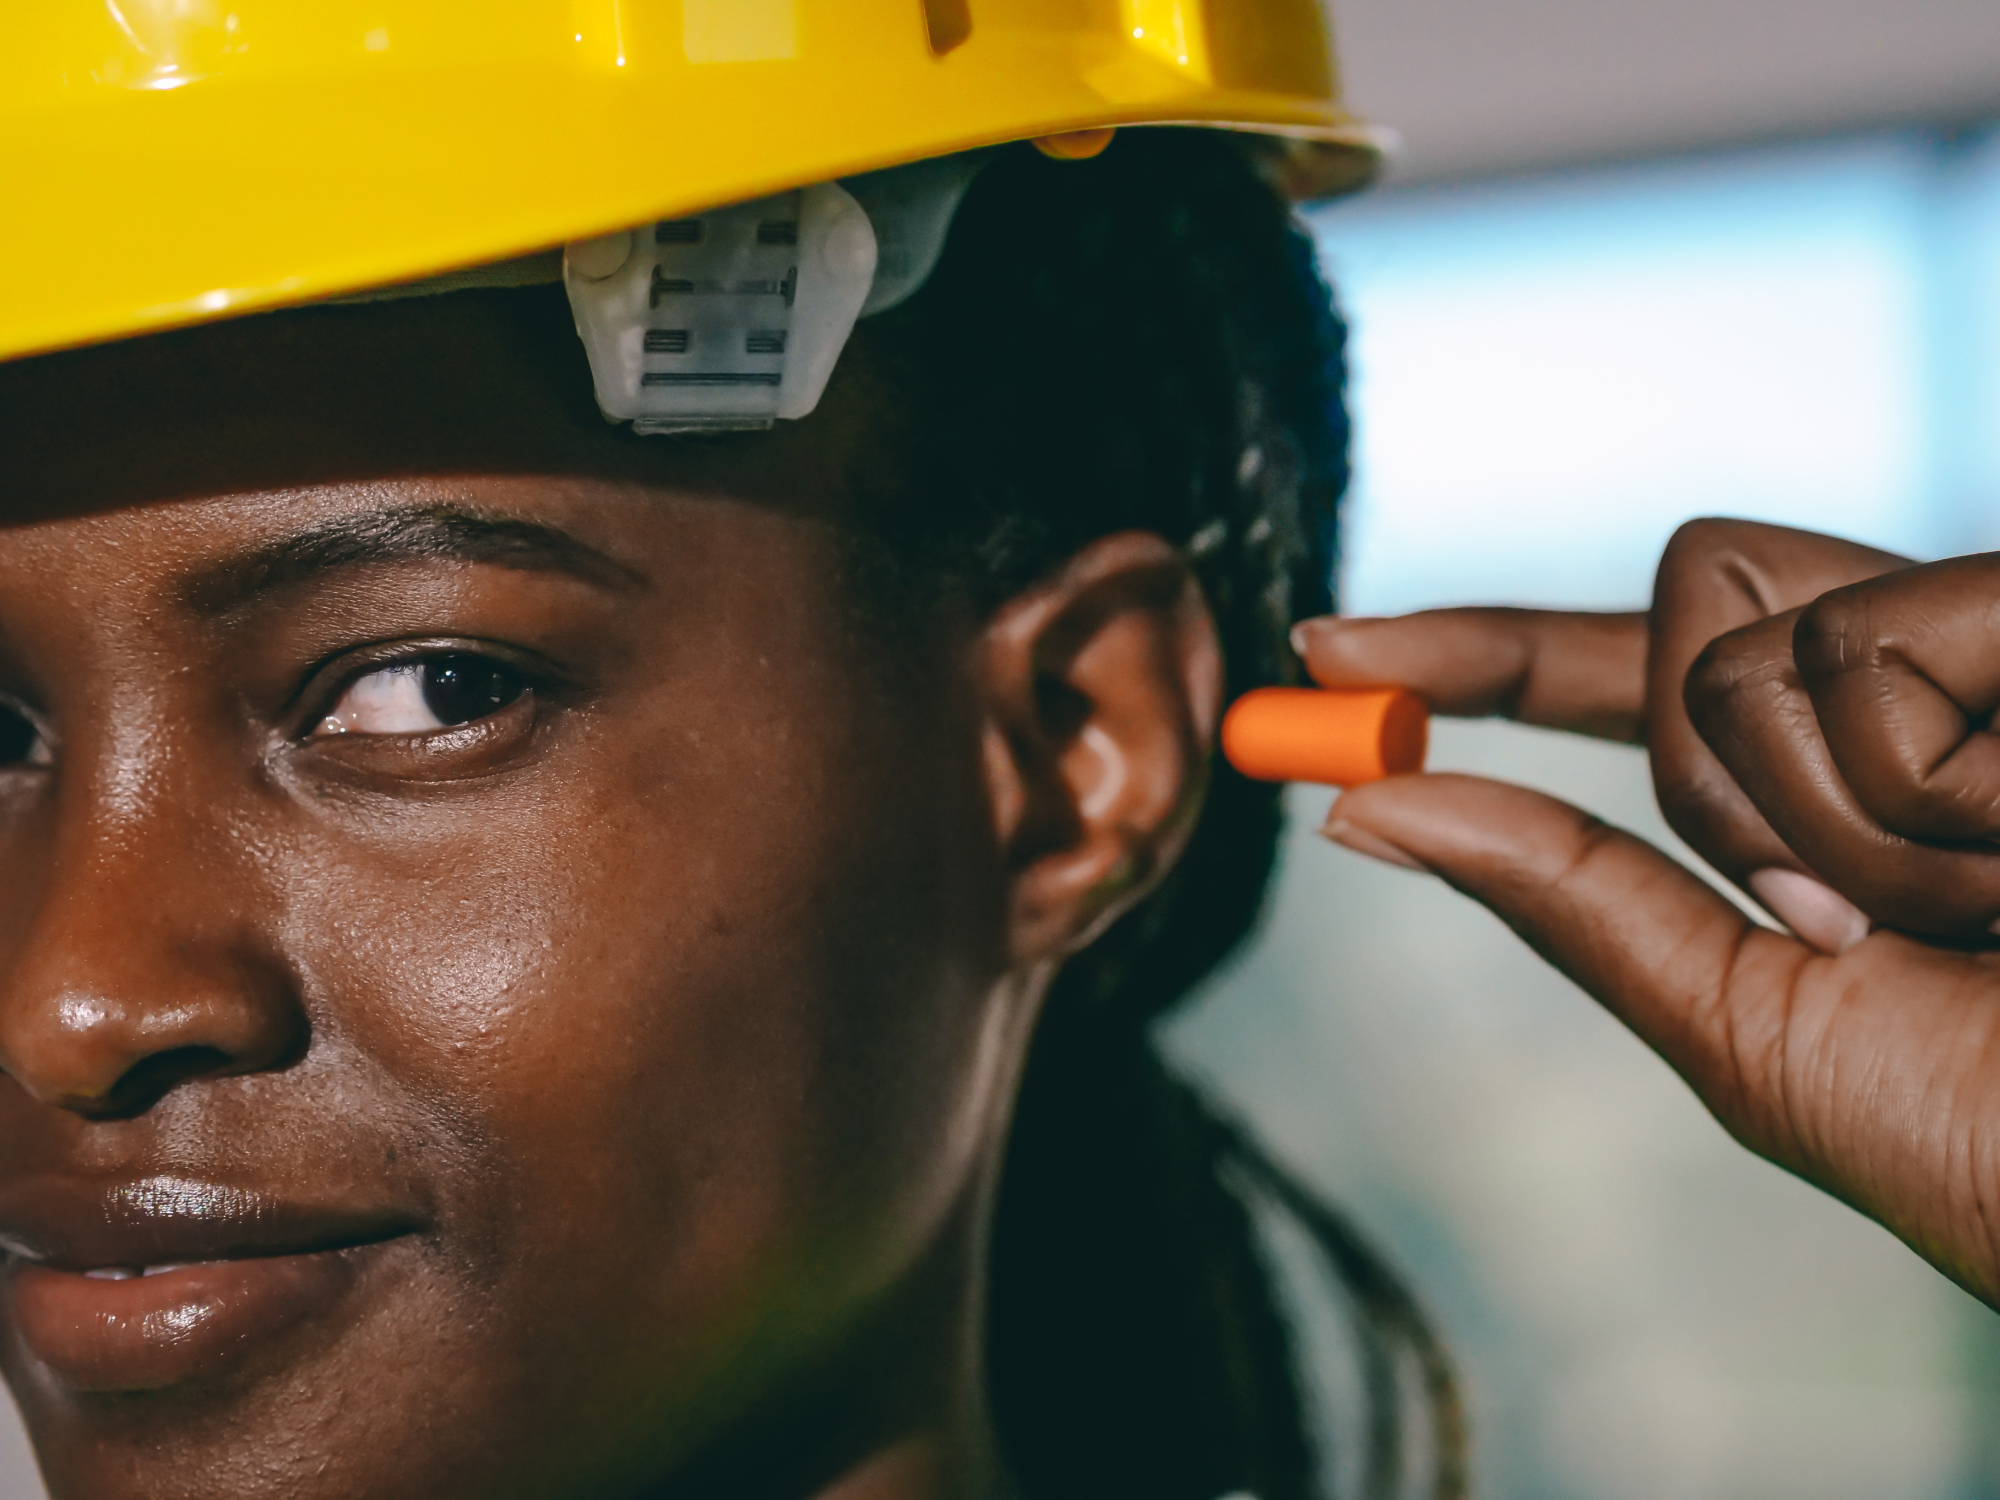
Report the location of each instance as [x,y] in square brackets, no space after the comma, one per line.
[1868,1072]
[1690,974]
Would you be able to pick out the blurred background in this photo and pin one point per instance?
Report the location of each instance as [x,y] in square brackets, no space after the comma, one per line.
[1638,260]
[1636,263]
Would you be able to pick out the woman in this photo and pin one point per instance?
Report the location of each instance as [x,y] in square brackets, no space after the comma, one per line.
[537,961]
[525,941]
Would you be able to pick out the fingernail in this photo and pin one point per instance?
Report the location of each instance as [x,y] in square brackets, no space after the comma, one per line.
[1818,913]
[1361,841]
[1305,630]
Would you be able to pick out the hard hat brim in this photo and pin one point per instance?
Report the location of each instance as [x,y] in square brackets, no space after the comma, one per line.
[158,208]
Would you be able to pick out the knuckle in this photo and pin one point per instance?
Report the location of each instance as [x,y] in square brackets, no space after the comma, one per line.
[1726,673]
[1703,533]
[1712,542]
[1695,544]
[1573,869]
[1834,634]
[1714,558]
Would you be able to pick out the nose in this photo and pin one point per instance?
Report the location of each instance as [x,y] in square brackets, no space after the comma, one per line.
[136,965]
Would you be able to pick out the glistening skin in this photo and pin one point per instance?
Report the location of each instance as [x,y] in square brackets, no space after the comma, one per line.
[481,922]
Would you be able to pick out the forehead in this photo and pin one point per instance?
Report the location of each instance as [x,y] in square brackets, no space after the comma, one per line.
[470,383]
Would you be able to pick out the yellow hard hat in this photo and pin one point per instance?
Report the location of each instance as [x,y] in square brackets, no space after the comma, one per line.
[167,161]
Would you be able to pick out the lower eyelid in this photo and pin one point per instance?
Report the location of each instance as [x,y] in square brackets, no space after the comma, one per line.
[465,752]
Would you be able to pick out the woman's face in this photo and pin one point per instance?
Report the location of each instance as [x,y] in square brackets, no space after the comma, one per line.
[503,976]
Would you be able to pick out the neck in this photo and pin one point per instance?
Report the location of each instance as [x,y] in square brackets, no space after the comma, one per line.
[934,1438]
[896,1408]
[929,1431]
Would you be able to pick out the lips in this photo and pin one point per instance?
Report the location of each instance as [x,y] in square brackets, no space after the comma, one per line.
[155,1282]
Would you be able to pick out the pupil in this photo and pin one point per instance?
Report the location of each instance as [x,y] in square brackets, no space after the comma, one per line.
[459,689]
[17,737]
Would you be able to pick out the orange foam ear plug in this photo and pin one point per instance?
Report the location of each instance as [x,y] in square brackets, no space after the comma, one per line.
[1338,737]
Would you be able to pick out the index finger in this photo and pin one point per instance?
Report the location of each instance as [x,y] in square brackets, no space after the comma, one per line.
[1574,670]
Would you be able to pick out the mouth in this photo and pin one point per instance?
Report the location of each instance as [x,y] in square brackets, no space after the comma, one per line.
[156,1283]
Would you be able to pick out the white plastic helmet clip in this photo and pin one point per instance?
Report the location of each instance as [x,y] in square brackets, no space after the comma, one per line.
[731,319]
[736,317]
[911,208]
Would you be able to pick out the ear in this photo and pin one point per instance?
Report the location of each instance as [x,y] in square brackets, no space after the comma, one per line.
[1102,688]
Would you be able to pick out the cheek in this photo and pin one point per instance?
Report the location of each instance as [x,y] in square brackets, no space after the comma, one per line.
[708,1007]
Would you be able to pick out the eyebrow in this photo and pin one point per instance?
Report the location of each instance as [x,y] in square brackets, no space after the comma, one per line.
[431,533]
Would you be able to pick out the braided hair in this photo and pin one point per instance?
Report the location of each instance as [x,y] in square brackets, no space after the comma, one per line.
[1142,341]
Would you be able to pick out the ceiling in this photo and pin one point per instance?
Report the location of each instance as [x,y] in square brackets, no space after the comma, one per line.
[1481,87]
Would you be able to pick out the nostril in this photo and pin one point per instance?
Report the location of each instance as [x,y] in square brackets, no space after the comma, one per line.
[151,1079]
[104,1020]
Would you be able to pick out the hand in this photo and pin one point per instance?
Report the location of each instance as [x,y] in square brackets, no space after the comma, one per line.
[1816,714]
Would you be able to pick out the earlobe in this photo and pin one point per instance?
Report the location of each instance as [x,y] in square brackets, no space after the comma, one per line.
[1103,688]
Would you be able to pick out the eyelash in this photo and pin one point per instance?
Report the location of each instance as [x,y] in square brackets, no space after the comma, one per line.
[458,684]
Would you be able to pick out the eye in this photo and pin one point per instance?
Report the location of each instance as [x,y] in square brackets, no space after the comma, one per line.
[423,697]
[22,742]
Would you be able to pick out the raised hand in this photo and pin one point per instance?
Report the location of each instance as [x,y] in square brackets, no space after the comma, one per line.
[1816,716]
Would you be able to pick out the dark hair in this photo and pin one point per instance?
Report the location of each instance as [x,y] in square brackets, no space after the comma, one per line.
[1143,341]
